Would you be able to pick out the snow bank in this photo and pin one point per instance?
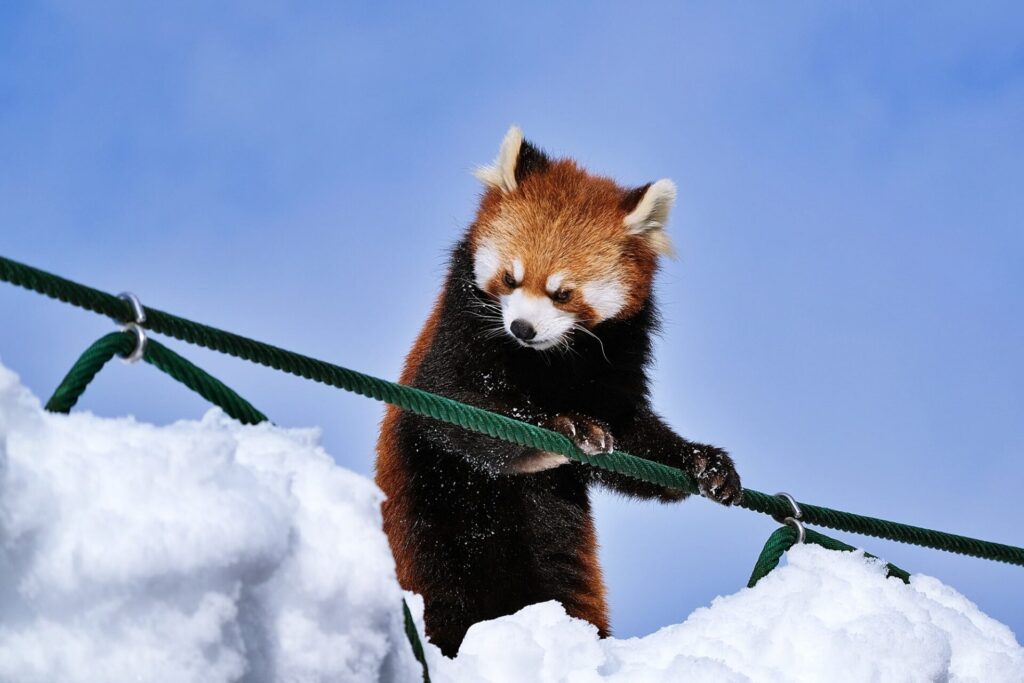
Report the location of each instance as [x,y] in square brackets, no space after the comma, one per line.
[209,551]
[824,616]
[199,551]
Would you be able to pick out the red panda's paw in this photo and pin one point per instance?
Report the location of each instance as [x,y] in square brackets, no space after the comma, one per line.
[716,475]
[590,436]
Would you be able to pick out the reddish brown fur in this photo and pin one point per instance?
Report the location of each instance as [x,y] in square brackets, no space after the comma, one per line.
[553,219]
[468,531]
[591,603]
[566,220]
[392,474]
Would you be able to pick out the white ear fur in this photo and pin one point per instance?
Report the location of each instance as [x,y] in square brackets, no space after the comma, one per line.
[649,217]
[502,173]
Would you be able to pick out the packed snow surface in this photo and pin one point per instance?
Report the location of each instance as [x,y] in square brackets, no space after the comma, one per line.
[823,616]
[199,551]
[210,551]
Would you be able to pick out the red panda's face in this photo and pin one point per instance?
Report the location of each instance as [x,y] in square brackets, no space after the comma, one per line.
[562,250]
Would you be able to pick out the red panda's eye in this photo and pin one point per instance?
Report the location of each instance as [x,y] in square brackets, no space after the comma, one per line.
[562,295]
[509,280]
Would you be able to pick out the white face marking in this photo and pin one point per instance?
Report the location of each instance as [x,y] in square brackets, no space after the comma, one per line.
[550,323]
[485,263]
[606,297]
[518,272]
[554,282]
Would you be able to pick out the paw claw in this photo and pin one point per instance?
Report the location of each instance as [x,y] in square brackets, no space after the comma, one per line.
[716,475]
[590,436]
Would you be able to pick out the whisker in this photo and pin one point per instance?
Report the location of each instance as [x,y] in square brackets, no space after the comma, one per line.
[582,328]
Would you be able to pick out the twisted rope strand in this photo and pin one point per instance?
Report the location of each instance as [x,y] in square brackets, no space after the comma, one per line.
[784,538]
[121,344]
[85,368]
[492,424]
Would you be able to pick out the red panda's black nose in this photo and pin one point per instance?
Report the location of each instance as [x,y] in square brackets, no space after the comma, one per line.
[523,330]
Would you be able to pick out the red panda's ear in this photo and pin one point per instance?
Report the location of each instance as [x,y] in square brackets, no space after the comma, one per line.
[647,210]
[516,160]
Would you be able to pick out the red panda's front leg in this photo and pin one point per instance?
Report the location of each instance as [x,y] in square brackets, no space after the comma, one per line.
[590,436]
[647,436]
[491,455]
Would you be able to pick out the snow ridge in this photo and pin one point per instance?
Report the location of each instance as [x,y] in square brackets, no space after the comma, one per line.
[197,551]
[211,551]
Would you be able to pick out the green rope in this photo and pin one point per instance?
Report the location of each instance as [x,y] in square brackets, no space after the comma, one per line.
[499,426]
[784,538]
[209,387]
[85,368]
[781,540]
[414,639]
[121,344]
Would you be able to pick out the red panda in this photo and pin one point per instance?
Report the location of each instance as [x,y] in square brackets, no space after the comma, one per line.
[546,316]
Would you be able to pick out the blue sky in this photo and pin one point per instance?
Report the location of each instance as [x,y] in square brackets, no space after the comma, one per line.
[846,315]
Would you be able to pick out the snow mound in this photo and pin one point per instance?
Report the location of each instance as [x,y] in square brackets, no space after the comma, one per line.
[211,551]
[823,616]
[198,551]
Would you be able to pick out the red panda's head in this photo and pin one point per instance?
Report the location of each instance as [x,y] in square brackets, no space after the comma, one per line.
[562,249]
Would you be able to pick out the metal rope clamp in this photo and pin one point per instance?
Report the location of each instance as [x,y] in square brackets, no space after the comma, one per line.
[794,519]
[135,327]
